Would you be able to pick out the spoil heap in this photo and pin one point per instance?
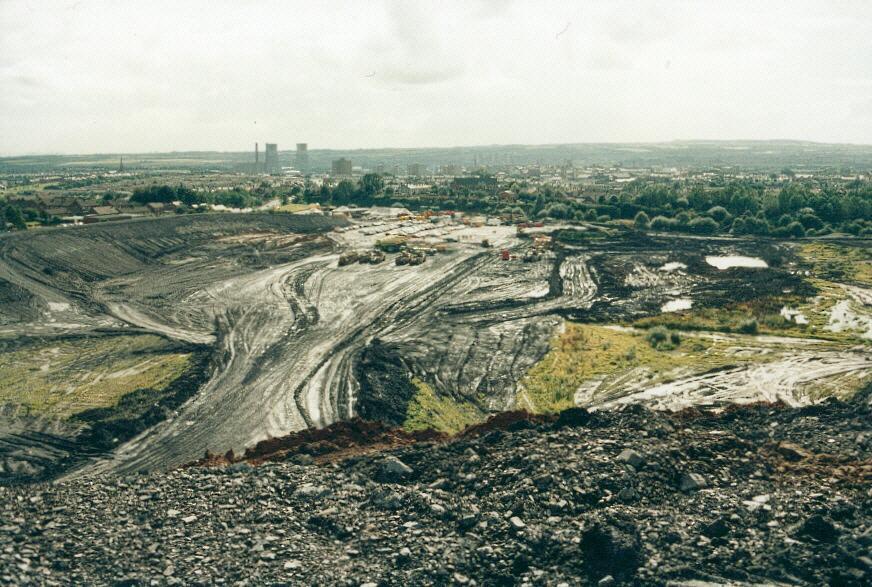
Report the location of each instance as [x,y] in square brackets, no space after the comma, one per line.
[754,494]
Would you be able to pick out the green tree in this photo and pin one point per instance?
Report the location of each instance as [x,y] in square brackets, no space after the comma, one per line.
[719,213]
[343,192]
[14,217]
[371,184]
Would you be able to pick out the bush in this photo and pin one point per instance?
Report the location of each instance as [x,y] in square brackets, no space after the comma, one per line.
[794,229]
[748,326]
[703,225]
[719,213]
[775,321]
[662,338]
[657,336]
[811,221]
[662,223]
[642,221]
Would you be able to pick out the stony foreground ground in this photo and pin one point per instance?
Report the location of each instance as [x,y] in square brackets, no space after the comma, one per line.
[761,494]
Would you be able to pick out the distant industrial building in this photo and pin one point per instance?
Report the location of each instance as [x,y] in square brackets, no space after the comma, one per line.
[302,160]
[342,166]
[271,159]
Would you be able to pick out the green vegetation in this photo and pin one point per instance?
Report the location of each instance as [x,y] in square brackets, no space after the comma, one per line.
[731,317]
[235,198]
[12,216]
[832,262]
[583,353]
[294,208]
[784,208]
[748,326]
[428,410]
[662,338]
[66,377]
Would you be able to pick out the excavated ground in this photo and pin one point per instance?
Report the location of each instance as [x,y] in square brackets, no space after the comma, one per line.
[292,341]
[757,494]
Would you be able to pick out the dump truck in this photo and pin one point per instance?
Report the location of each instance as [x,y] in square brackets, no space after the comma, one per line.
[348,258]
[410,258]
[372,257]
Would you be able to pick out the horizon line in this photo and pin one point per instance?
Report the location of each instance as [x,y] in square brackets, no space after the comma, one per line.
[435,148]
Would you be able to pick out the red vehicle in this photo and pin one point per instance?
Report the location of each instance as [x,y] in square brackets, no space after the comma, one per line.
[505,255]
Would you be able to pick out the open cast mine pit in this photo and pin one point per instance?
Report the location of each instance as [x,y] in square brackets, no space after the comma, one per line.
[220,331]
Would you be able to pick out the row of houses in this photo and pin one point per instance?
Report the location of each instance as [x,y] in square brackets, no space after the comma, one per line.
[75,209]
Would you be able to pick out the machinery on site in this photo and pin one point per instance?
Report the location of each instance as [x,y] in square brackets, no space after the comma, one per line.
[348,258]
[372,257]
[410,257]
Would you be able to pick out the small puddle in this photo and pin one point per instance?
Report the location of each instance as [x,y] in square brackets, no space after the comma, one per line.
[729,261]
[672,266]
[677,305]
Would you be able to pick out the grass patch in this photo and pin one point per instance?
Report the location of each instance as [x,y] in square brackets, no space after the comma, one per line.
[65,377]
[292,208]
[585,353]
[428,410]
[730,318]
[832,262]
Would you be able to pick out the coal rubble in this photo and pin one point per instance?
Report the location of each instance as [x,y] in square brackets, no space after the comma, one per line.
[750,495]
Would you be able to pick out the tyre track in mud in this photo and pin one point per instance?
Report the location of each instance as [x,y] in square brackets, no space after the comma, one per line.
[287,336]
[275,374]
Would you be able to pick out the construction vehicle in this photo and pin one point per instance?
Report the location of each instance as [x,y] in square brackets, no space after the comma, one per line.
[485,243]
[531,256]
[392,244]
[410,257]
[348,258]
[372,257]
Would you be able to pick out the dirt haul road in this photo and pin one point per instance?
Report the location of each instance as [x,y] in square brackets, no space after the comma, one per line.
[293,335]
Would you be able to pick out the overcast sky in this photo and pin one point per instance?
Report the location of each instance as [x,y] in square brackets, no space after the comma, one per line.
[121,76]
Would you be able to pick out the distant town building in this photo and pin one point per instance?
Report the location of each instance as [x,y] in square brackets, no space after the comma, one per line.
[271,159]
[416,170]
[302,159]
[342,166]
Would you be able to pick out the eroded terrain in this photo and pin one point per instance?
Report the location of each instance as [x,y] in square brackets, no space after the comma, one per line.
[280,337]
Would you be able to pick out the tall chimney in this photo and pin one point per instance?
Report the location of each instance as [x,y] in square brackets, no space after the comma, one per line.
[256,154]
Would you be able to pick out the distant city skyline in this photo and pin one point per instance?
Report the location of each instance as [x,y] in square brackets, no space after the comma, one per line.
[93,76]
